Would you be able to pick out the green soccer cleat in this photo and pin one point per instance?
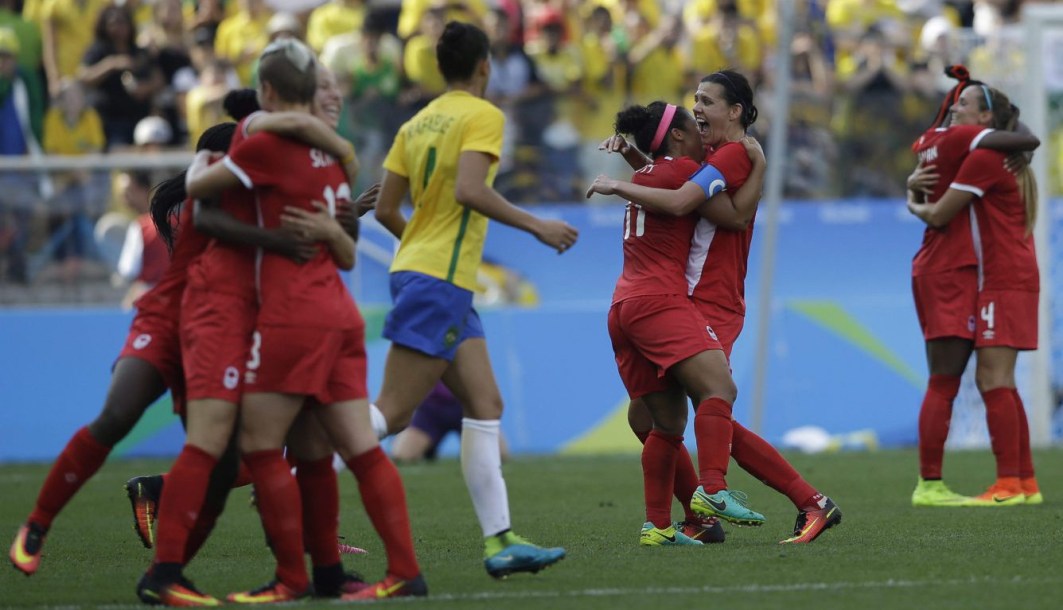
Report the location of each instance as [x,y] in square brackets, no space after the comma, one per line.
[936,493]
[509,553]
[728,505]
[669,536]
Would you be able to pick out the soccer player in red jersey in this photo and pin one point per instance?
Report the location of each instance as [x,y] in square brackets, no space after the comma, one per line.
[308,342]
[1001,290]
[663,349]
[719,254]
[149,363]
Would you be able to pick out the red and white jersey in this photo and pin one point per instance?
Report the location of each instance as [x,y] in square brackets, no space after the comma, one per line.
[716,268]
[1007,259]
[656,245]
[165,297]
[225,267]
[949,247]
[282,173]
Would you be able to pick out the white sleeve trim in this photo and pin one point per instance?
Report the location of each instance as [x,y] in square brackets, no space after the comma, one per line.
[967,188]
[131,260]
[978,138]
[240,174]
[247,121]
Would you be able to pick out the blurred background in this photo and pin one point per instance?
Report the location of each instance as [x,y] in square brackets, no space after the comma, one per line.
[100,100]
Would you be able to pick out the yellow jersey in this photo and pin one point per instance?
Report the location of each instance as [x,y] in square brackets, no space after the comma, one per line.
[72,22]
[443,238]
[61,138]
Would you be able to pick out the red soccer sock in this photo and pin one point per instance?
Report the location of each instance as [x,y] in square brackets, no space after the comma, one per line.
[713,430]
[385,501]
[80,459]
[1003,424]
[935,415]
[199,533]
[321,510]
[1026,470]
[243,476]
[686,477]
[280,507]
[659,456]
[181,503]
[760,459]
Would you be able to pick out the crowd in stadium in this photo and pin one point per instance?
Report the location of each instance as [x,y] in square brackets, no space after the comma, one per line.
[151,74]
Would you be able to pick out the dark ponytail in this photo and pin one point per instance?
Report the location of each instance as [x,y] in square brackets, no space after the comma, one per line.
[641,122]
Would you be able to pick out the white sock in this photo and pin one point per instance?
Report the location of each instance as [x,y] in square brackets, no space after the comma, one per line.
[481,465]
[379,422]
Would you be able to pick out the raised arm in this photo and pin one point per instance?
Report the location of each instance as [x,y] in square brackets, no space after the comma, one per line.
[471,190]
[1009,141]
[208,180]
[309,130]
[678,202]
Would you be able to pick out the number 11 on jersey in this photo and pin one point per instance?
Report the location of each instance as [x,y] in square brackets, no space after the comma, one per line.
[640,220]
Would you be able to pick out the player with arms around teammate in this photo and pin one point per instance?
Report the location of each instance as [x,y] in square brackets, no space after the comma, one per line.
[1001,216]
[446,157]
[717,268]
[663,348]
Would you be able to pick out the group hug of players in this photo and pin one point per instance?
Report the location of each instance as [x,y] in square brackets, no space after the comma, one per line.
[263,348]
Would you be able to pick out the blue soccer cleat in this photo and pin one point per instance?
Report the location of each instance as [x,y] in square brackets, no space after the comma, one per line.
[509,553]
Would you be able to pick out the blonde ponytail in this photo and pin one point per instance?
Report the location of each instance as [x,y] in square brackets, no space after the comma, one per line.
[1028,188]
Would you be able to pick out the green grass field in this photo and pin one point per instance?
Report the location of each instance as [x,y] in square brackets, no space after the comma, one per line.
[884,555]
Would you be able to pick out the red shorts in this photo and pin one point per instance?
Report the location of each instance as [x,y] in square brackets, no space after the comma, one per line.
[216,334]
[328,365]
[946,303]
[726,323]
[1007,318]
[154,338]
[652,334]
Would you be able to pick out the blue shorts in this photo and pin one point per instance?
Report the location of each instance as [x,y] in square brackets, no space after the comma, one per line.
[430,315]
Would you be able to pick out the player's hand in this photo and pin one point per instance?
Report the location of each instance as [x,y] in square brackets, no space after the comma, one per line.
[615,144]
[313,226]
[366,202]
[754,150]
[923,179]
[557,234]
[1016,162]
[292,245]
[603,185]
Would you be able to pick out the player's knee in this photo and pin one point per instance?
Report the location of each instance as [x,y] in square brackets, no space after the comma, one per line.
[114,423]
[989,378]
[488,407]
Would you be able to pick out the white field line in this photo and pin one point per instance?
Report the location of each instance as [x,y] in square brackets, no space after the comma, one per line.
[621,592]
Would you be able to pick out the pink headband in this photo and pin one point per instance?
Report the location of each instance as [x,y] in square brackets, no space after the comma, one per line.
[662,127]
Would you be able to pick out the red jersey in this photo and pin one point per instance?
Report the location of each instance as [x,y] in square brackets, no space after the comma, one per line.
[225,267]
[1007,259]
[283,173]
[949,247]
[716,268]
[656,245]
[165,297]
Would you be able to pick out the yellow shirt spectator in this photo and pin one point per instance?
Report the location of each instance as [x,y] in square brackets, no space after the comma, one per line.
[81,138]
[241,38]
[334,18]
[604,86]
[419,63]
[71,23]
[413,11]
[709,48]
[650,10]
[660,76]
[443,238]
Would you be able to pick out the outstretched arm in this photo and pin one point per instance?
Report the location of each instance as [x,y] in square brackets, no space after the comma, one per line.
[471,190]
[310,130]
[211,220]
[678,202]
[1009,141]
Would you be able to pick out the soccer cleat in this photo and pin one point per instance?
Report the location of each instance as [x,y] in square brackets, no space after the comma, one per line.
[332,581]
[1005,492]
[811,523]
[705,531]
[1032,491]
[509,553]
[179,594]
[144,493]
[348,549]
[25,551]
[669,536]
[936,493]
[388,588]
[271,593]
[728,505]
